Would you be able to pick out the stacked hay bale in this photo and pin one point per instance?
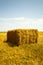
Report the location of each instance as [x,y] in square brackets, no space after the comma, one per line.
[22,36]
[10,36]
[33,36]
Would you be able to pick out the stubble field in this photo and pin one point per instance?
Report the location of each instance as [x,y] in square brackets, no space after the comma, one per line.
[28,54]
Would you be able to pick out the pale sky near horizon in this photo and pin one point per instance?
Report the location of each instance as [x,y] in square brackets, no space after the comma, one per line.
[21,14]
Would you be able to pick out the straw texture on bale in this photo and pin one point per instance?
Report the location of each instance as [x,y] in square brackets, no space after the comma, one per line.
[33,36]
[10,36]
[22,36]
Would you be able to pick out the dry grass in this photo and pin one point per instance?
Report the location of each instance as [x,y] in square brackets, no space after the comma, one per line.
[28,54]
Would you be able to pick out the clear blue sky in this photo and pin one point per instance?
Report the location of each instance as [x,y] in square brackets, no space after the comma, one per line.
[32,9]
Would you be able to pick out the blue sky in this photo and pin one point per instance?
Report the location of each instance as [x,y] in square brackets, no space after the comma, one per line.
[21,14]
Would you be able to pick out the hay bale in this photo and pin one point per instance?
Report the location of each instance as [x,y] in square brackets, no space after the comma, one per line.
[33,36]
[22,36]
[10,36]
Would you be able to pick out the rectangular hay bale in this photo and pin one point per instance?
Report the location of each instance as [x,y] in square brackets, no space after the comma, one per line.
[33,36]
[22,36]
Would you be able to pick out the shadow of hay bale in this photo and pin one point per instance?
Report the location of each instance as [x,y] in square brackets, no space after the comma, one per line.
[10,43]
